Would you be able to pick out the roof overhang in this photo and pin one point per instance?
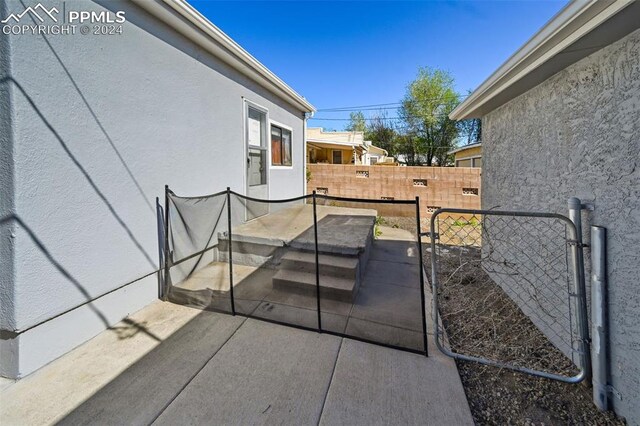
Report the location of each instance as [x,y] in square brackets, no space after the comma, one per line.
[578,30]
[373,148]
[334,145]
[465,147]
[186,20]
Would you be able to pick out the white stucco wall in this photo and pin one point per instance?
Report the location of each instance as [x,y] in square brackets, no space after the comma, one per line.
[99,125]
[578,134]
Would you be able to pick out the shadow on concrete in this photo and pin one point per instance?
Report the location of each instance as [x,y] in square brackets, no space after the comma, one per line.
[143,391]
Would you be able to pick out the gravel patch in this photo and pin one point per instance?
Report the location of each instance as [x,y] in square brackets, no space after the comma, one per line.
[481,320]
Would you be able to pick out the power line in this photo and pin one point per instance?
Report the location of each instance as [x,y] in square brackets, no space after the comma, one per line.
[373,106]
[371,119]
[353,108]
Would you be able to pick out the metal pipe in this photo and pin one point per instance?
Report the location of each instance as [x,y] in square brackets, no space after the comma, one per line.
[233,304]
[165,282]
[437,332]
[420,266]
[579,290]
[315,235]
[599,316]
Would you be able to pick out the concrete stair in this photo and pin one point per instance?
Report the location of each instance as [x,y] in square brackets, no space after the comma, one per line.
[339,275]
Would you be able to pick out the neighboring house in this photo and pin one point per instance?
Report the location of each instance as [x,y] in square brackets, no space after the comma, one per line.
[378,155]
[342,148]
[468,155]
[561,118]
[92,127]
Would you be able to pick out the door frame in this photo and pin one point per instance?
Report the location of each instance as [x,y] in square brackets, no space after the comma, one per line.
[333,151]
[265,134]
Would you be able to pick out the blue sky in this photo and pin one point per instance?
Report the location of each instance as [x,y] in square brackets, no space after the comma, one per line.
[343,54]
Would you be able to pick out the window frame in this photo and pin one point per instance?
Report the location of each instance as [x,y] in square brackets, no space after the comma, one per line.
[471,160]
[273,123]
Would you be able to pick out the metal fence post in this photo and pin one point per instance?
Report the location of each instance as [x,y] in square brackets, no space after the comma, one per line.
[165,282]
[422,297]
[315,234]
[599,355]
[233,305]
[575,211]
[437,332]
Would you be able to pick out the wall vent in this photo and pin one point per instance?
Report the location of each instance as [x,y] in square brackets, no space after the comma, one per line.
[362,173]
[469,191]
[387,198]
[431,209]
[322,191]
[419,182]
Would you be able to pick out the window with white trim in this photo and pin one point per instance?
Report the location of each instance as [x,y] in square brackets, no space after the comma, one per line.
[280,146]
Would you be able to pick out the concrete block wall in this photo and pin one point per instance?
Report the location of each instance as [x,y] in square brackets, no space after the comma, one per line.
[436,186]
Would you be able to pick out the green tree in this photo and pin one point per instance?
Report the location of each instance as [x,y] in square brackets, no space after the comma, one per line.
[425,109]
[381,132]
[408,145]
[470,130]
[357,122]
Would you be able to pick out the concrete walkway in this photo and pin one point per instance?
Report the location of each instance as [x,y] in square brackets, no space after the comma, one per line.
[200,367]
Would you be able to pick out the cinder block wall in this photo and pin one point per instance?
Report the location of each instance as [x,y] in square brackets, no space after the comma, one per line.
[436,186]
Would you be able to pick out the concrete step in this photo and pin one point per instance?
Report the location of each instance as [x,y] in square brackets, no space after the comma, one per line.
[335,266]
[335,288]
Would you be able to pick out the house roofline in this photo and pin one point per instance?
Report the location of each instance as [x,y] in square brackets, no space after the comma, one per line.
[462,148]
[192,24]
[331,142]
[542,53]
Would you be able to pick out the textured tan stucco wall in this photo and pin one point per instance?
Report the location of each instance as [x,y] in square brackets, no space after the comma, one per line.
[578,134]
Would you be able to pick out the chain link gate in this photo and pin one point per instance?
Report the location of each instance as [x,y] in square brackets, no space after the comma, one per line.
[509,291]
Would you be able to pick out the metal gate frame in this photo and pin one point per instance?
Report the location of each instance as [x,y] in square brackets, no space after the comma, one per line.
[579,291]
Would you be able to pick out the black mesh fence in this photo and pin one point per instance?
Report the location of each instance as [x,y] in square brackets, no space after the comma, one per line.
[349,267]
[197,275]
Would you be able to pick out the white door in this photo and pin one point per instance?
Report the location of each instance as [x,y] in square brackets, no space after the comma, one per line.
[257,168]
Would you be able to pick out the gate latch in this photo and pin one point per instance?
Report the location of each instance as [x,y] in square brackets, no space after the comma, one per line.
[577,243]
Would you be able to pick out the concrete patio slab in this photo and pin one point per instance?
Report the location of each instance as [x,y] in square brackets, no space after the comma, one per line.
[308,302]
[373,385]
[386,334]
[300,316]
[265,374]
[395,234]
[341,233]
[391,305]
[288,223]
[395,251]
[50,393]
[197,367]
[386,272]
[143,390]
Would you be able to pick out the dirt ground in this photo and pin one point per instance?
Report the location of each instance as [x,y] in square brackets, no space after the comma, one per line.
[481,320]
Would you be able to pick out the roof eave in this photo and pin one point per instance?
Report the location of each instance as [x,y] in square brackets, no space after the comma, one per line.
[462,148]
[573,22]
